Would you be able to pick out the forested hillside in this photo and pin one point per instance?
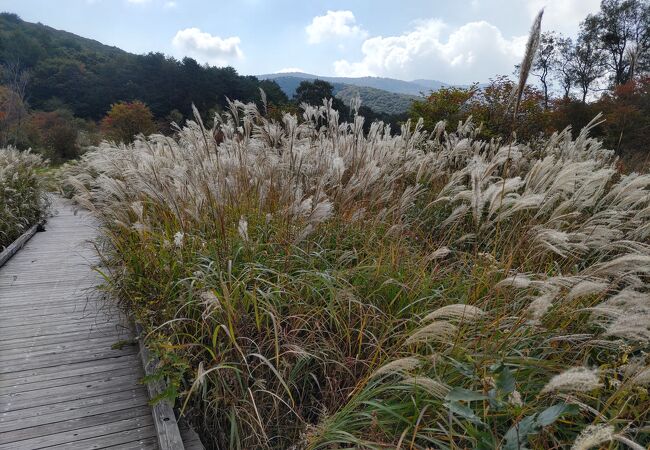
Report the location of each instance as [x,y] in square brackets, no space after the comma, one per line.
[377,99]
[87,77]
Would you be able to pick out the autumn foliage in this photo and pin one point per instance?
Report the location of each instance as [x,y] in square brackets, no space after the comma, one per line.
[625,113]
[127,119]
[489,106]
[55,132]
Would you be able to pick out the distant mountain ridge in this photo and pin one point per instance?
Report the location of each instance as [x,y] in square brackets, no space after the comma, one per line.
[386,95]
[393,85]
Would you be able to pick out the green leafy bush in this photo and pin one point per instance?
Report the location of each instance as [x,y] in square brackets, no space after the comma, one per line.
[307,285]
[22,203]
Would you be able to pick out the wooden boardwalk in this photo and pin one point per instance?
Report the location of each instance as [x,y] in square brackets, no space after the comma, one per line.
[62,384]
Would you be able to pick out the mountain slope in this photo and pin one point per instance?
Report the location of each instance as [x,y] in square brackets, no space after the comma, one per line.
[86,77]
[386,84]
[376,99]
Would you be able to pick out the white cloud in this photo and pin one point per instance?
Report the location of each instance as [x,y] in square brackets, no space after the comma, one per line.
[562,15]
[170,5]
[206,47]
[290,70]
[334,25]
[138,2]
[475,51]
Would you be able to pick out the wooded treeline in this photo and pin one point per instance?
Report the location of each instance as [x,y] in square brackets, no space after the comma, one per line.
[87,77]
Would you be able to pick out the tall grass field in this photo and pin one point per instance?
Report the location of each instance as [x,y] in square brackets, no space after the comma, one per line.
[22,201]
[307,285]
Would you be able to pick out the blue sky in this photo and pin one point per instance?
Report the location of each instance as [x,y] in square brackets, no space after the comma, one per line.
[457,41]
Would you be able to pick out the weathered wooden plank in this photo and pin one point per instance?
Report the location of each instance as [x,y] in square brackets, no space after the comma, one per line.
[25,298]
[169,436]
[16,245]
[63,337]
[63,369]
[71,280]
[35,300]
[43,330]
[20,315]
[18,386]
[28,302]
[26,424]
[31,356]
[7,326]
[57,360]
[15,279]
[109,439]
[37,411]
[41,299]
[96,436]
[27,307]
[77,391]
[143,444]
[44,295]
[46,347]
[191,440]
[58,316]
[106,416]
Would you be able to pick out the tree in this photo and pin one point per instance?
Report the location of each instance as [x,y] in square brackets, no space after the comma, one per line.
[313,92]
[126,119]
[587,65]
[621,31]
[626,111]
[490,106]
[55,133]
[493,108]
[274,94]
[450,104]
[13,106]
[563,72]
[545,61]
[12,109]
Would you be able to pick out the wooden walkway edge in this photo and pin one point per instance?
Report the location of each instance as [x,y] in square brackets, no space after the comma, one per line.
[16,245]
[63,382]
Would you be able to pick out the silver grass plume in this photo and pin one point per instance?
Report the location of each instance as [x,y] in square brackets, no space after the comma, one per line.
[576,379]
[593,435]
[439,331]
[402,365]
[598,434]
[455,311]
[529,57]
[433,387]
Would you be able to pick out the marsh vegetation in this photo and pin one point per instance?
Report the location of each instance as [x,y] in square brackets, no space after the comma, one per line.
[309,285]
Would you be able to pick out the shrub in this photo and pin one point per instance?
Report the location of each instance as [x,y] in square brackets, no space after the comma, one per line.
[22,203]
[55,133]
[125,120]
[310,285]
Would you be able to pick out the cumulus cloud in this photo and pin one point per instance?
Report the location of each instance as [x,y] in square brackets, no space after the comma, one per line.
[562,15]
[206,47]
[473,52]
[334,25]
